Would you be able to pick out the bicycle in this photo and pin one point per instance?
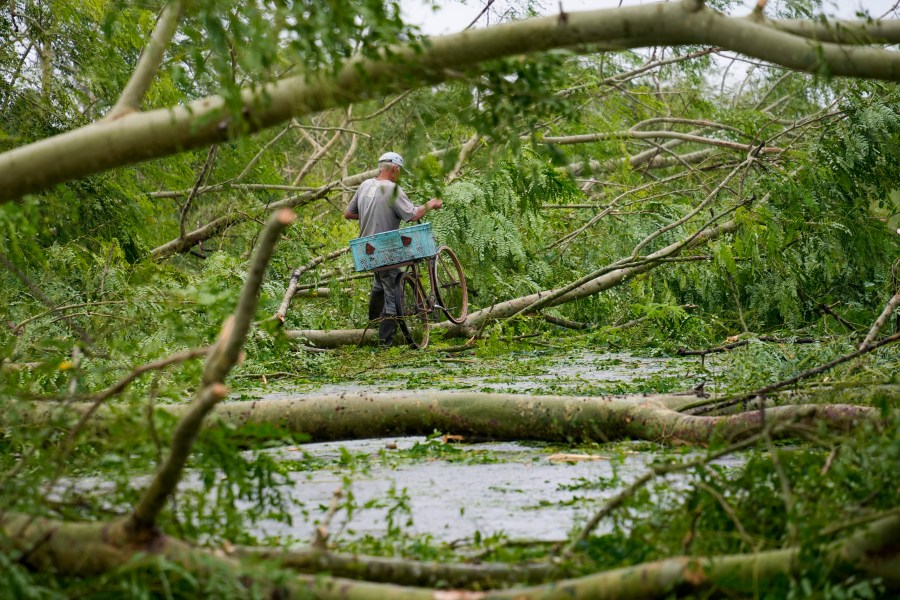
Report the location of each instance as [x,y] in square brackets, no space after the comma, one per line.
[445,290]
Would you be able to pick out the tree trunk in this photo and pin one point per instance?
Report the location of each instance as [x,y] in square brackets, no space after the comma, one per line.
[334,338]
[479,416]
[88,548]
[155,134]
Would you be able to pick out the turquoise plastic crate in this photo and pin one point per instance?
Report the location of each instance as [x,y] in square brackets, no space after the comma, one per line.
[393,247]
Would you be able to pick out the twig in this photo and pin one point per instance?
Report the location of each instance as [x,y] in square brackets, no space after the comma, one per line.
[383,109]
[881,320]
[787,495]
[467,149]
[737,301]
[719,404]
[204,173]
[343,129]
[98,399]
[679,222]
[320,537]
[36,291]
[149,62]
[630,262]
[292,285]
[828,310]
[310,286]
[224,355]
[18,328]
[729,510]
[481,14]
[830,460]
[738,344]
[654,472]
[317,156]
[862,520]
[234,182]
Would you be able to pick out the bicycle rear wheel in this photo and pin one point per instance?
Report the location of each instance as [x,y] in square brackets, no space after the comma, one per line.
[414,318]
[450,289]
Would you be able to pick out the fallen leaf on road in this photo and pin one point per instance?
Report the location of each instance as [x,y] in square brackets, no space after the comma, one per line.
[575,457]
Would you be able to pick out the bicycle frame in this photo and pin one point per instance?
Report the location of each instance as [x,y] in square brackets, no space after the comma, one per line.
[413,269]
[425,304]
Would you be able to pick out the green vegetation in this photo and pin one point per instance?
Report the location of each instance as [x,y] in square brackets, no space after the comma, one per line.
[552,165]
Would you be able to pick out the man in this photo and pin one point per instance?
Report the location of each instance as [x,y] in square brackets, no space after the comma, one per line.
[379,205]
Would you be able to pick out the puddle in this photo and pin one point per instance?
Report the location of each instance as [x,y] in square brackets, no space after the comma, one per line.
[519,492]
[523,495]
[484,489]
[575,373]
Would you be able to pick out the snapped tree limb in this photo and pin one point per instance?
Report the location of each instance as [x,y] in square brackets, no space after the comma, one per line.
[606,278]
[92,548]
[221,358]
[149,62]
[139,137]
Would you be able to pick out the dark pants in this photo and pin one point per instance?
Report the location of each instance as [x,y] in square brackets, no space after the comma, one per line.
[386,303]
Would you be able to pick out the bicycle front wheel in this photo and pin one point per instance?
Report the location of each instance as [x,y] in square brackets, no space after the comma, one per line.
[450,289]
[414,318]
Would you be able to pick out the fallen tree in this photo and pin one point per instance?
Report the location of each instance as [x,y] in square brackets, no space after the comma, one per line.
[475,322]
[477,415]
[88,548]
[134,540]
[143,136]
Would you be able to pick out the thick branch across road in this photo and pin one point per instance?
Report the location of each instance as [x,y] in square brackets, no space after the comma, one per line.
[138,137]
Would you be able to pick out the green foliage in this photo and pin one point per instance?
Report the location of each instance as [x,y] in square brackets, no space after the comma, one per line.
[492,222]
[80,264]
[736,507]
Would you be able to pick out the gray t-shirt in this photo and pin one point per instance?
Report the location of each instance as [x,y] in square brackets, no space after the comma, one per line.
[381,205]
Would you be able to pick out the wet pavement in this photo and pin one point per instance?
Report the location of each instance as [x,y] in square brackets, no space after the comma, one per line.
[494,488]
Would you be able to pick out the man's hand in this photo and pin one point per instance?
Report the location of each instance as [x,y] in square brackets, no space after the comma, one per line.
[433,204]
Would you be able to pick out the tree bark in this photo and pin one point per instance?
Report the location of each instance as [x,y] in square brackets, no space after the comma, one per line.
[516,417]
[334,338]
[91,549]
[144,136]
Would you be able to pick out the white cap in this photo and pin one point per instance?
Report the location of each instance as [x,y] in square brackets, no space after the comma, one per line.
[391,157]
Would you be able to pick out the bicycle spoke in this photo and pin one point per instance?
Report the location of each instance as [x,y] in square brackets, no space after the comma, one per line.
[414,319]
[450,285]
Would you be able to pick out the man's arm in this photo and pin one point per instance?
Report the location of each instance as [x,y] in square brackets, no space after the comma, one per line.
[421,211]
[351,213]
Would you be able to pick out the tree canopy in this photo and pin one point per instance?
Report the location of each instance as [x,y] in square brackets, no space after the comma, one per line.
[657,178]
